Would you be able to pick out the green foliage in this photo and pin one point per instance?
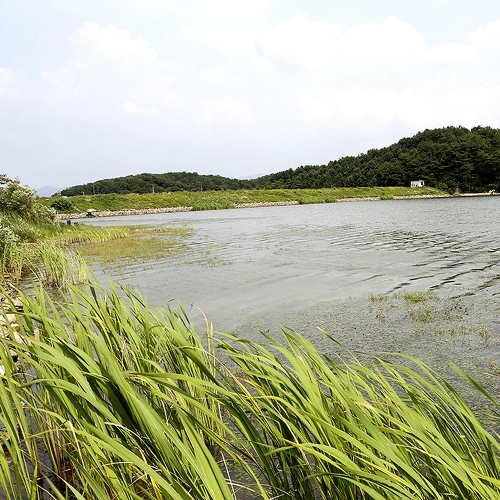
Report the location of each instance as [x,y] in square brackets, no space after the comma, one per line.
[63,205]
[4,179]
[449,158]
[22,201]
[158,183]
[129,402]
[7,235]
[38,248]
[415,297]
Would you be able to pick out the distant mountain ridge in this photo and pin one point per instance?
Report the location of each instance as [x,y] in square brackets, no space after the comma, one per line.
[449,158]
[46,191]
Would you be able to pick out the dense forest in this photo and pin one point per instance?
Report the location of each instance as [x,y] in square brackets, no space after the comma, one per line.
[450,158]
[158,183]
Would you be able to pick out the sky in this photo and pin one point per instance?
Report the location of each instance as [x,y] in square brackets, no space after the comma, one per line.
[97,89]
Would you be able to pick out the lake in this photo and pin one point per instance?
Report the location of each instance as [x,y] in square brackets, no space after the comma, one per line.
[351,269]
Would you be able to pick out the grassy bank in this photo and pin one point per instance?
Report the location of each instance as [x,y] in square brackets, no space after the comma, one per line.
[213,200]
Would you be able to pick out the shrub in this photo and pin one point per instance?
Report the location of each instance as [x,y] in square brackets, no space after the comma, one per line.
[22,200]
[62,205]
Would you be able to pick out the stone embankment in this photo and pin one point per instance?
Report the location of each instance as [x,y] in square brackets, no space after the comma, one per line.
[111,213]
[423,196]
[266,204]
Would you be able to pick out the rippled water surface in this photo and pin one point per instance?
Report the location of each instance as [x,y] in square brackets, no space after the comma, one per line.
[342,267]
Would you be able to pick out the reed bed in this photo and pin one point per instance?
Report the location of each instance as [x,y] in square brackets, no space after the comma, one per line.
[82,233]
[41,250]
[56,267]
[112,399]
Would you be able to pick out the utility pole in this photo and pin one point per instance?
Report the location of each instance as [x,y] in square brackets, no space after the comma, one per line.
[153,188]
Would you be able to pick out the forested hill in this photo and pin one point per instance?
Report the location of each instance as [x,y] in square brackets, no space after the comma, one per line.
[449,158]
[149,183]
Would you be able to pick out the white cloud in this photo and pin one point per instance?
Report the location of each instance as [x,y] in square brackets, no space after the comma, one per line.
[225,109]
[112,73]
[216,75]
[226,40]
[111,44]
[6,84]
[453,53]
[132,109]
[230,10]
[243,75]
[373,75]
[368,48]
[488,35]
[352,107]
[432,105]
[300,42]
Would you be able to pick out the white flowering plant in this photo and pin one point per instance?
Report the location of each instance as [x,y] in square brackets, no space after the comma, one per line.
[7,235]
[22,201]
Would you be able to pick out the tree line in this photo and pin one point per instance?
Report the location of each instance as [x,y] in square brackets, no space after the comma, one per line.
[449,158]
[159,183]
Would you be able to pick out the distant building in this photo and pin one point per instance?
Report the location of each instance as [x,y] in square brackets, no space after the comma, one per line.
[417,184]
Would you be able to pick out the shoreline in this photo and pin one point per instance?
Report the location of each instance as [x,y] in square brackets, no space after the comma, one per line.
[145,211]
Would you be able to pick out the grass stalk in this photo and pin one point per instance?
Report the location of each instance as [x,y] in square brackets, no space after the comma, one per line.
[128,402]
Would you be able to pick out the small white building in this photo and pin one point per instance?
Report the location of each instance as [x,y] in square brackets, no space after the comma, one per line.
[417,184]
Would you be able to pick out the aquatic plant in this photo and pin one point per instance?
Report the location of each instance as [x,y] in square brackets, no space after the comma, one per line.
[137,243]
[113,399]
[39,248]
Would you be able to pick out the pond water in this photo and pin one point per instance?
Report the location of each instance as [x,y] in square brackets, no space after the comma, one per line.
[344,268]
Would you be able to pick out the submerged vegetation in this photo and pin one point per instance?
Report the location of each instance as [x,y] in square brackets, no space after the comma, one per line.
[140,243]
[102,396]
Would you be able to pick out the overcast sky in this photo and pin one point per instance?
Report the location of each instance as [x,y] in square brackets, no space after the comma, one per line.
[93,89]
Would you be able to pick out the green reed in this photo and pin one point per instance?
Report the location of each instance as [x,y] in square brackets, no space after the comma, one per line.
[56,267]
[40,250]
[114,399]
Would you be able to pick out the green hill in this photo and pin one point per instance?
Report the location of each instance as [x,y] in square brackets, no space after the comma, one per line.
[159,183]
[450,158]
